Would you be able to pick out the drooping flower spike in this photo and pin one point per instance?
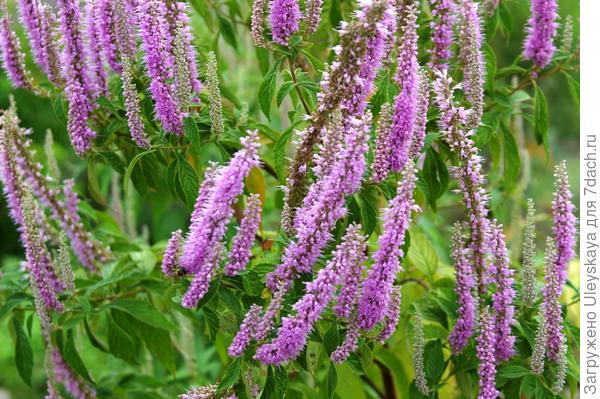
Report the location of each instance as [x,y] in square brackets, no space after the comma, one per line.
[242,242]
[338,84]
[171,255]
[13,60]
[442,25]
[94,48]
[79,88]
[312,15]
[486,354]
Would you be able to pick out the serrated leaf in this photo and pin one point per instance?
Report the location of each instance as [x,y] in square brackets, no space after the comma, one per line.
[540,119]
[142,311]
[280,154]
[192,133]
[121,344]
[276,385]
[266,90]
[188,181]
[159,345]
[23,352]
[232,374]
[331,381]
[71,355]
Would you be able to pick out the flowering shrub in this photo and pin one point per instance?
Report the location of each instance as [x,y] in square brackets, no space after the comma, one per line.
[311,261]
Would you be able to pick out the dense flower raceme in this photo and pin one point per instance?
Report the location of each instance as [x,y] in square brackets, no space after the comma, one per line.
[418,356]
[442,24]
[213,210]
[486,353]
[324,204]
[528,267]
[293,333]
[106,19]
[156,42]
[285,20]
[503,297]
[420,125]
[452,123]
[407,77]
[377,287]
[381,164]
[13,60]
[313,15]
[241,249]
[40,34]
[338,84]
[171,255]
[94,47]
[214,95]
[89,251]
[79,88]
[471,59]
[64,374]
[392,316]
[465,284]
[539,46]
[556,272]
[257,22]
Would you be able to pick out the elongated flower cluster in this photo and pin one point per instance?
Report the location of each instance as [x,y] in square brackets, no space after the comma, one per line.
[294,331]
[285,20]
[541,337]
[186,75]
[420,125]
[213,209]
[418,356]
[156,42]
[469,174]
[486,349]
[39,30]
[313,15]
[381,164]
[257,23]
[171,256]
[566,44]
[64,374]
[408,79]
[504,295]
[442,24]
[110,40]
[336,85]
[528,267]
[392,315]
[324,204]
[471,58]
[465,284]
[350,343]
[94,47]
[89,251]
[247,331]
[242,243]
[377,287]
[78,86]
[539,46]
[214,95]
[13,60]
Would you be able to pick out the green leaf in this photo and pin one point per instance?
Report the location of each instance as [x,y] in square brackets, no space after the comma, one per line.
[513,371]
[512,160]
[121,344]
[114,160]
[130,168]
[528,386]
[434,361]
[93,340]
[211,322]
[159,344]
[284,90]
[335,14]
[188,181]
[71,355]
[226,30]
[23,352]
[192,133]
[280,153]
[540,119]
[331,381]
[331,339]
[276,385]
[142,311]
[93,185]
[266,90]
[573,88]
[232,374]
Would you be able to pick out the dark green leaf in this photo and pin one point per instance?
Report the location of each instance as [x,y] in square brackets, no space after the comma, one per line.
[226,30]
[159,344]
[335,14]
[121,344]
[513,371]
[331,381]
[434,361]
[280,154]
[23,352]
[276,385]
[232,374]
[331,339]
[188,181]
[512,160]
[266,90]
[192,133]
[540,119]
[142,311]
[71,355]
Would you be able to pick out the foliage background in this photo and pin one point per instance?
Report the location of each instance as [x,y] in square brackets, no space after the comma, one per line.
[157,213]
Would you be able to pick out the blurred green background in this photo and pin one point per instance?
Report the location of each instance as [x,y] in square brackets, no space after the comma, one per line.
[159,214]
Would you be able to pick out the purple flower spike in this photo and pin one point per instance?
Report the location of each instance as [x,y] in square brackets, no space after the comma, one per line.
[95,48]
[503,297]
[242,243]
[465,284]
[13,60]
[392,315]
[78,87]
[294,330]
[214,206]
[539,46]
[406,101]
[106,20]
[63,374]
[285,19]
[246,333]
[487,360]
[170,258]
[443,12]
[156,42]
[324,205]
[377,287]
